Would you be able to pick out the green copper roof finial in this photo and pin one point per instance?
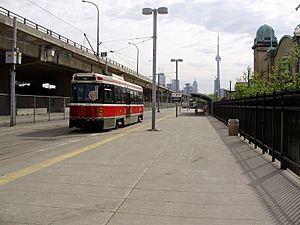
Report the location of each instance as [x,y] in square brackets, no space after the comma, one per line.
[264,35]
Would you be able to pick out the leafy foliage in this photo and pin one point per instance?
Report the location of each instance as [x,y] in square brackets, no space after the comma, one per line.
[280,79]
[214,97]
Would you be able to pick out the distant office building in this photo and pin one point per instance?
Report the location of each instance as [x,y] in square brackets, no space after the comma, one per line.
[173,84]
[169,86]
[161,79]
[188,89]
[195,87]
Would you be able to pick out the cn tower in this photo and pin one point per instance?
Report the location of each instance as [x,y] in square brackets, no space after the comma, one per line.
[217,80]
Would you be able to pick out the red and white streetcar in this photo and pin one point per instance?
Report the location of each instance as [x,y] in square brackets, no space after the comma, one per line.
[105,102]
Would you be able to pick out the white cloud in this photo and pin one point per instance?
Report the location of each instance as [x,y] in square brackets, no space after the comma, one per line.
[189,31]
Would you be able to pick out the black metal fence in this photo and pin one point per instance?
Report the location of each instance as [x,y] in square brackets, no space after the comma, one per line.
[271,122]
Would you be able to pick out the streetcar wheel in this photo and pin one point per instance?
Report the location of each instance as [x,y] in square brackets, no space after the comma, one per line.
[118,124]
[140,119]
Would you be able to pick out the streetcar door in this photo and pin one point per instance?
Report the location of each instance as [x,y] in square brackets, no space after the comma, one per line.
[128,107]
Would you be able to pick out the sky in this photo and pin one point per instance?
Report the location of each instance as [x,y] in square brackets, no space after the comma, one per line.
[189,32]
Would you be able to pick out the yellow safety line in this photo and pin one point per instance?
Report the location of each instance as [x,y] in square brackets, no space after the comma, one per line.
[31,169]
[36,167]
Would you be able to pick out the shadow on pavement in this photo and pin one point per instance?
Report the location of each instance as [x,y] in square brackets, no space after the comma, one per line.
[59,132]
[276,189]
[192,113]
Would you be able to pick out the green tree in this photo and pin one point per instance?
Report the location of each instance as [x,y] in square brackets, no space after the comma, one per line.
[280,78]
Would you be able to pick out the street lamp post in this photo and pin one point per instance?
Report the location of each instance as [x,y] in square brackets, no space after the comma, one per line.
[137,57]
[249,71]
[177,84]
[230,89]
[97,24]
[150,11]
[158,97]
[297,35]
[188,94]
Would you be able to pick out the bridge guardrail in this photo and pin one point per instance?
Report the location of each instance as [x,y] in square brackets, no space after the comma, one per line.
[62,38]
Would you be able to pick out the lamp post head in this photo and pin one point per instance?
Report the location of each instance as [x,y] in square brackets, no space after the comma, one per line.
[162,10]
[147,11]
[176,60]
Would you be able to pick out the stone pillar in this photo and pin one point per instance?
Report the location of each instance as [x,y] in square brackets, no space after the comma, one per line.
[233,127]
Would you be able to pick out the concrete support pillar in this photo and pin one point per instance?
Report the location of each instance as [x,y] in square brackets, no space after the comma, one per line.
[4,90]
[4,79]
[63,85]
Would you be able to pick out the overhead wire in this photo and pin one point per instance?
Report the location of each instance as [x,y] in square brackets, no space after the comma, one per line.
[118,50]
[118,55]
[66,22]
[101,43]
[128,39]
[76,28]
[114,52]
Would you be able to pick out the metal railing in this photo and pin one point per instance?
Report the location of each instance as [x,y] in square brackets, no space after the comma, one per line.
[271,122]
[33,108]
[36,108]
[53,34]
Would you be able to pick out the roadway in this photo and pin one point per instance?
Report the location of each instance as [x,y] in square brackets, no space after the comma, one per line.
[189,172]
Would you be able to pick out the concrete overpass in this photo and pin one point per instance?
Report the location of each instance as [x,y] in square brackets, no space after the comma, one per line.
[39,65]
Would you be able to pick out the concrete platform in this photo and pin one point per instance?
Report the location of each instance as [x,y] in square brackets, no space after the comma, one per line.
[189,172]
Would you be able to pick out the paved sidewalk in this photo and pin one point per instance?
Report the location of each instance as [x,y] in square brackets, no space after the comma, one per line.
[189,172]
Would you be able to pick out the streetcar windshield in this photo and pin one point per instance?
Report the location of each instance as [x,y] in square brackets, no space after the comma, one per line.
[87,93]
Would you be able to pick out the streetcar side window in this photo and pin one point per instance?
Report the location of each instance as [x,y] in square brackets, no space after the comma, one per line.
[140,97]
[123,92]
[108,91]
[127,97]
[135,97]
[118,94]
[132,99]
